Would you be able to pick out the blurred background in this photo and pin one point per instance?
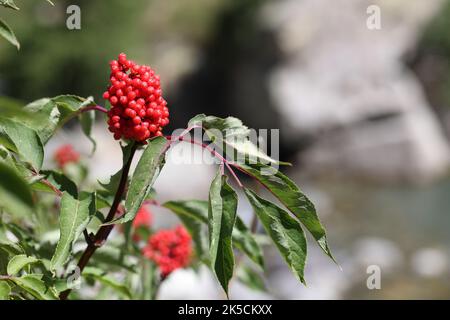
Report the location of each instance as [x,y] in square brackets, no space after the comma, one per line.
[364,116]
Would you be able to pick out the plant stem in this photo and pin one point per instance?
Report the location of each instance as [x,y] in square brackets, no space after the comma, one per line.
[96,107]
[102,234]
[48,184]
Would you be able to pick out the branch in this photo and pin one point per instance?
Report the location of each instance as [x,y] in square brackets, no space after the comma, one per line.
[48,184]
[102,234]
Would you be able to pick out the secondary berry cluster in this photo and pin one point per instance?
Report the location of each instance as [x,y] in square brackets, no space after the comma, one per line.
[138,110]
[169,249]
[66,154]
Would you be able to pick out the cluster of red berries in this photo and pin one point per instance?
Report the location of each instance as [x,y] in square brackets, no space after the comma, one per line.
[138,110]
[169,249]
[66,154]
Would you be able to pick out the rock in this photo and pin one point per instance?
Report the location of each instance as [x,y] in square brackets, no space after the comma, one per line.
[347,87]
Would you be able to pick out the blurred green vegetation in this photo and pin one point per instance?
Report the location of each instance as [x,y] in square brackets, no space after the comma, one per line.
[54,60]
[433,55]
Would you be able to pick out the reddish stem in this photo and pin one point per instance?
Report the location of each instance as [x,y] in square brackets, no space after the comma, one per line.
[51,186]
[48,184]
[96,107]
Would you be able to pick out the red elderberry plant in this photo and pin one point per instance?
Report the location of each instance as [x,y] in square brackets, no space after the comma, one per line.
[35,201]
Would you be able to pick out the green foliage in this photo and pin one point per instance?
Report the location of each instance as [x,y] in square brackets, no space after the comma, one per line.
[15,195]
[221,218]
[19,262]
[194,215]
[57,179]
[22,140]
[5,290]
[57,111]
[291,196]
[35,286]
[285,232]
[244,240]
[103,278]
[232,137]
[147,170]
[47,210]
[7,33]
[9,4]
[75,216]
[251,279]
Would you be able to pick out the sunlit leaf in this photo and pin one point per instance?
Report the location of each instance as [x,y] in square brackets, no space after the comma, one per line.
[293,198]
[33,284]
[23,140]
[15,194]
[144,176]
[7,33]
[74,217]
[107,280]
[19,262]
[222,216]
[285,232]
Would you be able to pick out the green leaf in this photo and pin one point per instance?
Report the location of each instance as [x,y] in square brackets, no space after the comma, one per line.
[74,217]
[285,231]
[11,248]
[9,4]
[113,184]
[150,280]
[144,176]
[232,137]
[57,111]
[87,120]
[59,180]
[19,262]
[293,198]
[110,257]
[47,109]
[15,194]
[7,33]
[251,279]
[22,140]
[244,240]
[5,290]
[13,109]
[222,216]
[196,209]
[103,278]
[193,214]
[33,284]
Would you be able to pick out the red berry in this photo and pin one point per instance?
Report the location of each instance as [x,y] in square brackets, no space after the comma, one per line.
[136,120]
[113,100]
